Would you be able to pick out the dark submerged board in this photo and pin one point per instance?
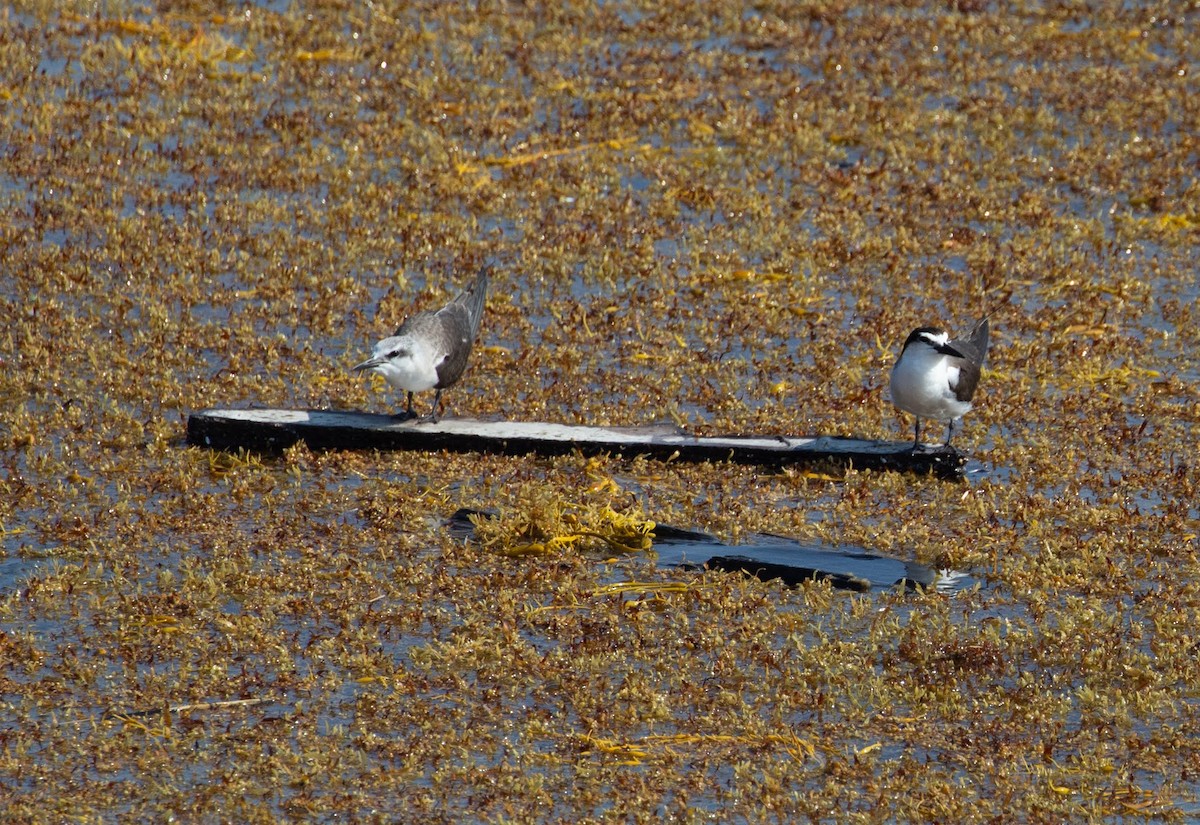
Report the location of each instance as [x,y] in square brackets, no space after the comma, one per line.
[770,557]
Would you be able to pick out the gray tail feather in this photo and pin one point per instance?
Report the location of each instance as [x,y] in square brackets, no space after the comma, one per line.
[473,298]
[979,338]
[975,348]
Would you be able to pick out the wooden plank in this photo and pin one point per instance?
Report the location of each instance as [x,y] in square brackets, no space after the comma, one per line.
[277,429]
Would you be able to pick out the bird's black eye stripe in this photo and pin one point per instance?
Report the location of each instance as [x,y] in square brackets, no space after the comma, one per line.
[396,353]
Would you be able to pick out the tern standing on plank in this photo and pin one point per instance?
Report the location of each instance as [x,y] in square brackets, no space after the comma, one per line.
[430,349]
[935,378]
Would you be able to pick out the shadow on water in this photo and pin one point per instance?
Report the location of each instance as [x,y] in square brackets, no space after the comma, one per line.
[788,560]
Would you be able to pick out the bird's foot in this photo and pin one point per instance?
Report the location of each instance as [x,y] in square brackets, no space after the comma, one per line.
[401,417]
[435,413]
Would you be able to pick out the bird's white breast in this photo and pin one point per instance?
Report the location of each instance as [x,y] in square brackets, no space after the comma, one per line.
[923,384]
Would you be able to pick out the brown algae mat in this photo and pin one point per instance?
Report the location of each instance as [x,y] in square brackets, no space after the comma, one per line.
[724,216]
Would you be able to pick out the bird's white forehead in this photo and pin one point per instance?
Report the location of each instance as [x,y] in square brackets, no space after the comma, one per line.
[938,338]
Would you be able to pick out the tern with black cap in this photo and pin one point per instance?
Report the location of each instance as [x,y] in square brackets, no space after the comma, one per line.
[935,378]
[429,351]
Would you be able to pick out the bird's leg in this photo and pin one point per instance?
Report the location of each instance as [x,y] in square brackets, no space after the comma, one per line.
[949,432]
[917,437]
[433,416]
[408,414]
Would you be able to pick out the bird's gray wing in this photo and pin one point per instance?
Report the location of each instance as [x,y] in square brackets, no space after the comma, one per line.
[459,326]
[455,339]
[471,300]
[975,348]
[974,352]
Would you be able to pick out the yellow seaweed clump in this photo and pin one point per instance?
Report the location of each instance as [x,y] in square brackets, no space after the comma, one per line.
[543,522]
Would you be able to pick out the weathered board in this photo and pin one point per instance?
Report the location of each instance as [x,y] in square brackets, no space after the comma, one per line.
[274,429]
